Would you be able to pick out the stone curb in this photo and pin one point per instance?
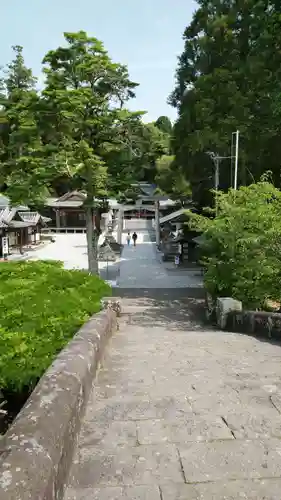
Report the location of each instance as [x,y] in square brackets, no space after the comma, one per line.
[228,314]
[259,323]
[36,452]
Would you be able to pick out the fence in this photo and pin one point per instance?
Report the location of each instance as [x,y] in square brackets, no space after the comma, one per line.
[138,225]
[63,230]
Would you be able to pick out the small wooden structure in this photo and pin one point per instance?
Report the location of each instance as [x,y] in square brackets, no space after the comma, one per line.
[22,228]
[68,210]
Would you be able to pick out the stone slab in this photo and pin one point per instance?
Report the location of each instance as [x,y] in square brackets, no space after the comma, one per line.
[254,425]
[128,466]
[192,428]
[137,409]
[231,490]
[108,436]
[115,493]
[229,460]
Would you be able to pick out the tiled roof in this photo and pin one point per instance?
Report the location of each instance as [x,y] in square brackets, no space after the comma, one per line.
[66,204]
[45,219]
[31,217]
[4,212]
[10,215]
[28,219]
[6,219]
[17,224]
[73,194]
[173,216]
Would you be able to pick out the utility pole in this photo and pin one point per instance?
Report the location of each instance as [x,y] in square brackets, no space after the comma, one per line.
[217,172]
[236,160]
[217,159]
[217,179]
[157,223]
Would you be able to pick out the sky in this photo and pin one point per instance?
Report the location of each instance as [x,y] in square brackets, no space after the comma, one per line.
[146,35]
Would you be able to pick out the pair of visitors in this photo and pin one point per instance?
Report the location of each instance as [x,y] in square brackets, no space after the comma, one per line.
[134,237]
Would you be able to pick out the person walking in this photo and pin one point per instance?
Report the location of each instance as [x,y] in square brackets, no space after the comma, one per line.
[128,238]
[135,237]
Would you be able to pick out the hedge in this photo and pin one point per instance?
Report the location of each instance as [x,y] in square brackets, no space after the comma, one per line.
[42,306]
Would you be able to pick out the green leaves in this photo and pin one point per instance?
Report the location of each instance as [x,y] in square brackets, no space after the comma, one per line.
[164,124]
[242,245]
[83,94]
[170,179]
[21,157]
[228,78]
[41,308]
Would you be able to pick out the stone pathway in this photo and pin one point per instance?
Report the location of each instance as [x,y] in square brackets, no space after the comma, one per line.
[141,267]
[180,411]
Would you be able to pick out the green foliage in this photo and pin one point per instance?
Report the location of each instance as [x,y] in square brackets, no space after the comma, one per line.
[21,156]
[170,179]
[242,245]
[41,307]
[164,123]
[82,102]
[151,143]
[76,133]
[229,78]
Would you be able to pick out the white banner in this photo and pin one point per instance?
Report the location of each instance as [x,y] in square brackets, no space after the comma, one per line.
[5,245]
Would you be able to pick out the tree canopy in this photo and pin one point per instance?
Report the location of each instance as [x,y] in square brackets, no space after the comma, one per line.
[77,133]
[82,102]
[164,123]
[228,78]
[170,180]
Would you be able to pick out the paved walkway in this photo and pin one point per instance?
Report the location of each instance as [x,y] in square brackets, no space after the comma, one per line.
[71,249]
[141,267]
[180,411]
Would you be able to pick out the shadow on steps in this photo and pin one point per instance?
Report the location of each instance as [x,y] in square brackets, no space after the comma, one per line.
[176,309]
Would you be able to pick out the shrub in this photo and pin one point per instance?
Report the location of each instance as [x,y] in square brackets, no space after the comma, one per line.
[242,245]
[42,305]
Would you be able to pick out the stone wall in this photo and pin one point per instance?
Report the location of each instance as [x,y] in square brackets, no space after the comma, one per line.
[36,452]
[228,314]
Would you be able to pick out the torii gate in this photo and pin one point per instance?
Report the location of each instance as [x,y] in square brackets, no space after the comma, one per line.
[124,208]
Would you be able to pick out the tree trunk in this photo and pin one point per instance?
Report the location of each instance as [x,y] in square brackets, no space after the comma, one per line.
[92,244]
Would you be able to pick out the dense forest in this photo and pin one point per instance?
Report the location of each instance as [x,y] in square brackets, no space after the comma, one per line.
[229,78]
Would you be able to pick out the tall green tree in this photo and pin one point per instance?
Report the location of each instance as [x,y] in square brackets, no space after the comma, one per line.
[150,143]
[171,181]
[83,110]
[22,156]
[228,78]
[164,123]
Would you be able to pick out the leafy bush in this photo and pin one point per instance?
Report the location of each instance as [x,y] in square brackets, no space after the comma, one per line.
[42,305]
[242,245]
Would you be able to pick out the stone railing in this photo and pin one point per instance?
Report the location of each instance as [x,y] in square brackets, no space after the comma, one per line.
[37,450]
[228,314]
